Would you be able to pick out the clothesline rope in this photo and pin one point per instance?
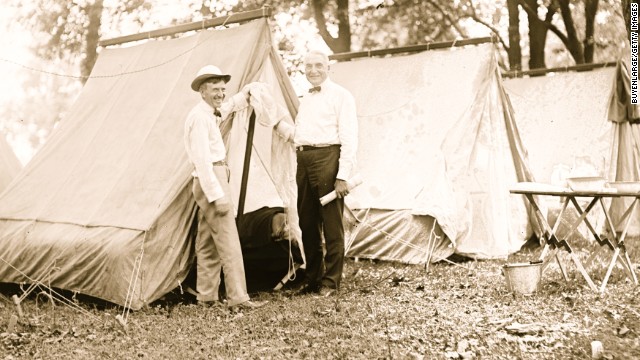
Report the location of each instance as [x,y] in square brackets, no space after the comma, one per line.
[30,68]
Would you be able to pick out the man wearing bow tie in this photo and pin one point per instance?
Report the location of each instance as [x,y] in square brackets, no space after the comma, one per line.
[217,242]
[326,140]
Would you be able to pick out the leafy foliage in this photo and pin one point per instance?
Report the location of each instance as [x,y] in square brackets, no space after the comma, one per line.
[67,33]
[71,29]
[406,22]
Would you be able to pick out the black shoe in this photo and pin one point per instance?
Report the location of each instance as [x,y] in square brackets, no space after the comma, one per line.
[209,304]
[309,289]
[249,304]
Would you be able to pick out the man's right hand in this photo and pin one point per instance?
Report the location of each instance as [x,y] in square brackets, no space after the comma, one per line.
[222,206]
[246,91]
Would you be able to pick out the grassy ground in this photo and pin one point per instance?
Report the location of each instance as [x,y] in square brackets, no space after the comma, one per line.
[392,311]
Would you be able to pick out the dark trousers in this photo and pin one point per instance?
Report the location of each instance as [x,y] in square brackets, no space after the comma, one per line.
[316,176]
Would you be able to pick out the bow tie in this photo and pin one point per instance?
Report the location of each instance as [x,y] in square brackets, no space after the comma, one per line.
[216,112]
[314,89]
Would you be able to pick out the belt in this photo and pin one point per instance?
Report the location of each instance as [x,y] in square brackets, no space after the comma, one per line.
[314,147]
[220,163]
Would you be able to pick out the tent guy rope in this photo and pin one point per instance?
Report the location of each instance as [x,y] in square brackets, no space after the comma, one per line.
[392,237]
[133,282]
[35,283]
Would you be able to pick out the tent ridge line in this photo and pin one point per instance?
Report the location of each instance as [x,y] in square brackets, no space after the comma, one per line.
[196,25]
[410,49]
[544,71]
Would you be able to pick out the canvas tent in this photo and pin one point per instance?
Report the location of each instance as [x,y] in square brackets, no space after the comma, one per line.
[578,123]
[562,120]
[9,164]
[437,140]
[105,208]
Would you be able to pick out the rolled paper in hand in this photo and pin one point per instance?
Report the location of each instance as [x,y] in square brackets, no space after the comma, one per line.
[351,183]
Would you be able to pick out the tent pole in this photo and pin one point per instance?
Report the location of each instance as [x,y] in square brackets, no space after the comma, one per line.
[544,71]
[410,48]
[241,17]
[245,166]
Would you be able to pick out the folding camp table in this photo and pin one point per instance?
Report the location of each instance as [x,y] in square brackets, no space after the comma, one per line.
[614,240]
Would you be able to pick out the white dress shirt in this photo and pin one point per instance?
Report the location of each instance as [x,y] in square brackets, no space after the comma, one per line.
[204,144]
[328,117]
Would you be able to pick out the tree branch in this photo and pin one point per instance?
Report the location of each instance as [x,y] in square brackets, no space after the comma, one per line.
[547,24]
[473,15]
[447,17]
[321,23]
[575,47]
[342,43]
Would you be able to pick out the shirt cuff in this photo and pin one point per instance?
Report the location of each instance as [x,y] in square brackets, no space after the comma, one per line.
[285,130]
[213,195]
[343,172]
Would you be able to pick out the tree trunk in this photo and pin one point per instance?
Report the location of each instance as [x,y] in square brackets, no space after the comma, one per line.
[590,9]
[515,51]
[344,27]
[574,46]
[626,14]
[343,42]
[537,37]
[94,12]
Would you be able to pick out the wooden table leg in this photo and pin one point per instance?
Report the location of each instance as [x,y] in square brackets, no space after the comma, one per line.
[547,231]
[553,254]
[574,227]
[633,273]
[581,269]
[563,269]
[620,247]
[609,269]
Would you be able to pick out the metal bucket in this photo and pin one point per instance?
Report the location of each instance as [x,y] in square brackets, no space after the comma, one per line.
[523,278]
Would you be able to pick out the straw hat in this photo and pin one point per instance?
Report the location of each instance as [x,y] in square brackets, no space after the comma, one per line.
[208,72]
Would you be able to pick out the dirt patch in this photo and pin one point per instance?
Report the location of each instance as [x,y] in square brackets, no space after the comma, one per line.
[384,310]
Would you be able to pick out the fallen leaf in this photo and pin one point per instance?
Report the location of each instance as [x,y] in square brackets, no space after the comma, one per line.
[523,329]
[623,330]
[462,346]
[451,355]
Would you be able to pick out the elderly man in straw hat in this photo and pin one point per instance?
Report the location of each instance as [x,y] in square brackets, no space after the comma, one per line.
[217,243]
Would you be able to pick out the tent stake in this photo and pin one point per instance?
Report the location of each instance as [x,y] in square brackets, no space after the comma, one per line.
[16,301]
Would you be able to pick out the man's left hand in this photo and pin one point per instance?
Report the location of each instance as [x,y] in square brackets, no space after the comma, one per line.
[342,189]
